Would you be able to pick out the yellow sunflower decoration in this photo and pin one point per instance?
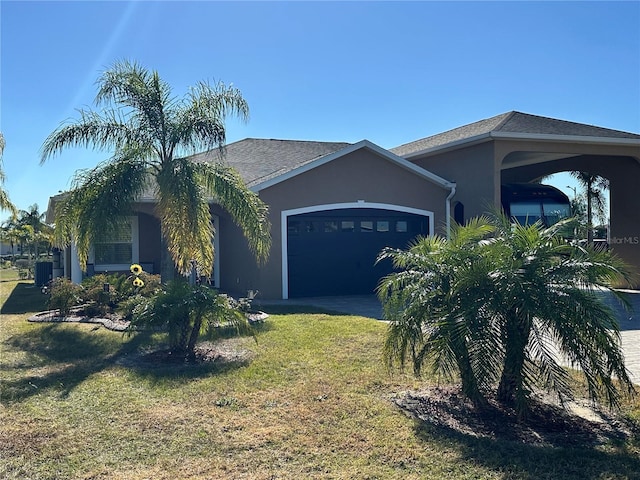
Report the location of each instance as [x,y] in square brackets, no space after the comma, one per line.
[137,270]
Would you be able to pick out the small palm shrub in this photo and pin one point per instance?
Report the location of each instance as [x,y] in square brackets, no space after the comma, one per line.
[491,303]
[64,295]
[185,312]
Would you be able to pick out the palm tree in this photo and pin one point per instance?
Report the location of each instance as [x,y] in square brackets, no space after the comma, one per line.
[188,311]
[34,219]
[5,203]
[149,129]
[426,311]
[11,234]
[594,187]
[495,302]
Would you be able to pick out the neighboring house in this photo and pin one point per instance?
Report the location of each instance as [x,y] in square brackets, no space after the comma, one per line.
[6,249]
[334,206]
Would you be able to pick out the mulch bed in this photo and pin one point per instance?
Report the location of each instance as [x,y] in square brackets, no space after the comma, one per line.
[222,351]
[548,424]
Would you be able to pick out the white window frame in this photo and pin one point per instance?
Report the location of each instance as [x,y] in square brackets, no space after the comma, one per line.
[135,252]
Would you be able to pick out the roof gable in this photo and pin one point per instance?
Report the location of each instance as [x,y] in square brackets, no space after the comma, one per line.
[364,144]
[266,162]
[512,124]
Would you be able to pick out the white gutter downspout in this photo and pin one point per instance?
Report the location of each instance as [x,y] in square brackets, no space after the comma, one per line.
[447,207]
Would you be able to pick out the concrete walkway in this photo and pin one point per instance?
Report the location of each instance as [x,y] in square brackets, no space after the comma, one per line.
[369,306]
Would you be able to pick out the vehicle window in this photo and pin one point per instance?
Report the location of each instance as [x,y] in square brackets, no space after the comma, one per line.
[526,213]
[554,212]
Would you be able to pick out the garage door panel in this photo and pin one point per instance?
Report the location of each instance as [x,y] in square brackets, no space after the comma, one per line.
[333,252]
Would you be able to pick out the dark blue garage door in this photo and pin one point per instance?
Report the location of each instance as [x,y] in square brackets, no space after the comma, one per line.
[333,252]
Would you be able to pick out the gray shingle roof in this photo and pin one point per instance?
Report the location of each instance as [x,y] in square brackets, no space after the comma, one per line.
[259,160]
[511,122]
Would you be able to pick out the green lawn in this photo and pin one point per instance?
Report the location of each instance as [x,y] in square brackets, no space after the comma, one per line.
[9,274]
[313,402]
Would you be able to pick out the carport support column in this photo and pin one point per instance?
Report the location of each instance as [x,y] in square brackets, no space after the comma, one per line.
[76,271]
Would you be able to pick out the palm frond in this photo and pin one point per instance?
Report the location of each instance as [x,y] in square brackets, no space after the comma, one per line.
[99,200]
[185,216]
[250,213]
[5,202]
[200,124]
[146,97]
[107,130]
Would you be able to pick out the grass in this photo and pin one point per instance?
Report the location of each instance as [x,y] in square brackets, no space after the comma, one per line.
[314,402]
[9,274]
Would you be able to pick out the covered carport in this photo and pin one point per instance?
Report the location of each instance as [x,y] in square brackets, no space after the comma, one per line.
[617,161]
[518,147]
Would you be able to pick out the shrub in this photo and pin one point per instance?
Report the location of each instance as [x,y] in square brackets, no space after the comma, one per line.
[489,303]
[121,290]
[25,268]
[101,301]
[64,296]
[186,311]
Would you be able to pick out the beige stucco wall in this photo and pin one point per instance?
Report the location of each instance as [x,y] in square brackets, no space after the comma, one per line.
[479,170]
[473,170]
[361,175]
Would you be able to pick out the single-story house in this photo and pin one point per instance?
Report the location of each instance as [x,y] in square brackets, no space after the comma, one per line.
[334,206]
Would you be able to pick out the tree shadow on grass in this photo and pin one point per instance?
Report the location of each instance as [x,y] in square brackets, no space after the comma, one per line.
[220,351]
[67,356]
[517,460]
[24,298]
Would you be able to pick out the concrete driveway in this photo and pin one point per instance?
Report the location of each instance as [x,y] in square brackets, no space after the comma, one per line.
[369,306]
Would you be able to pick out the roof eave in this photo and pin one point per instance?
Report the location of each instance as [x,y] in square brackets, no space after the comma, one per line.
[581,139]
[465,142]
[486,137]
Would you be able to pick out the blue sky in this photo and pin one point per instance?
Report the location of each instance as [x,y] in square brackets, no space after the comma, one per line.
[389,72]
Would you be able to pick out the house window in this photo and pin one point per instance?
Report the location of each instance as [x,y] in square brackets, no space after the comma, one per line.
[347,226]
[402,226]
[458,213]
[118,249]
[382,226]
[366,226]
[330,226]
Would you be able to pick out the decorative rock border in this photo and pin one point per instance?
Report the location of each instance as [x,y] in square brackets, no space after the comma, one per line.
[256,316]
[51,316]
[113,324]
